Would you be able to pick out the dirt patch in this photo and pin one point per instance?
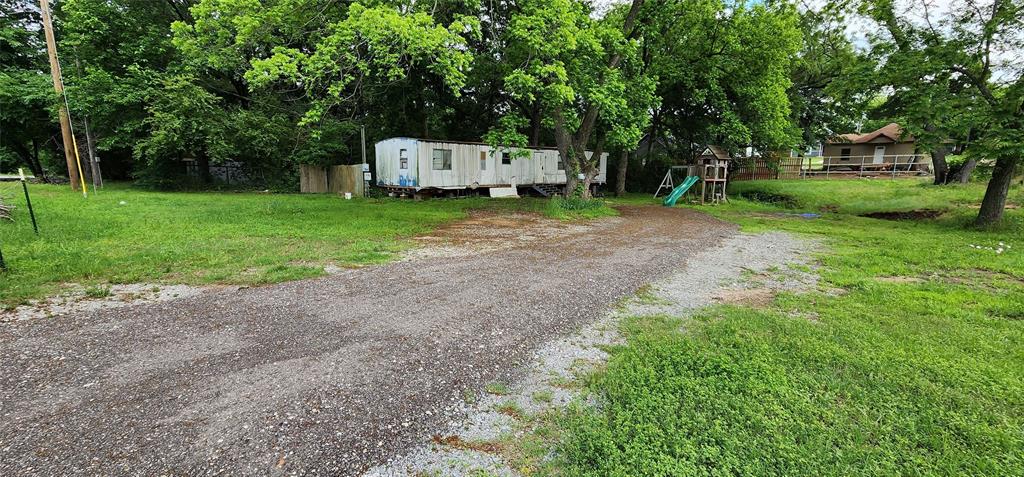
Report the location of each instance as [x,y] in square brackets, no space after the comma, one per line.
[753,297]
[488,231]
[457,442]
[920,214]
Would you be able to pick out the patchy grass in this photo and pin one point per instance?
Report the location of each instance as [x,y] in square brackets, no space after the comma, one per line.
[126,235]
[97,291]
[575,209]
[510,409]
[864,196]
[543,396]
[497,388]
[921,376]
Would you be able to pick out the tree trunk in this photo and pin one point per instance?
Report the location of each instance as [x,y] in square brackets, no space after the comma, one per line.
[535,123]
[963,175]
[620,180]
[995,195]
[939,165]
[22,152]
[35,164]
[203,163]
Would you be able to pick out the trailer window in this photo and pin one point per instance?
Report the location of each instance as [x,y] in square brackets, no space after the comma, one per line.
[403,159]
[506,159]
[442,160]
[483,160]
[844,154]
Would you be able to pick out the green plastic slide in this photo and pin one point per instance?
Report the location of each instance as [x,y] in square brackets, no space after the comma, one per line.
[679,191]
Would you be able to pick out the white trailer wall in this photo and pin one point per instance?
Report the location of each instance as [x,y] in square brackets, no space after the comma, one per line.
[472,165]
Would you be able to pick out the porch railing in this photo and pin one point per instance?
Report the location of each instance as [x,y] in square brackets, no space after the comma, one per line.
[832,167]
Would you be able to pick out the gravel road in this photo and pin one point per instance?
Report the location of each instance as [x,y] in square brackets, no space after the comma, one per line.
[321,377]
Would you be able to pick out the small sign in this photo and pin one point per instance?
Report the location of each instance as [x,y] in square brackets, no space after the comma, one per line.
[366,176]
[366,167]
[581,176]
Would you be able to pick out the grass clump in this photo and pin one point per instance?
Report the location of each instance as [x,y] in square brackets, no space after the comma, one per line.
[919,377]
[543,396]
[577,208]
[97,291]
[497,388]
[511,409]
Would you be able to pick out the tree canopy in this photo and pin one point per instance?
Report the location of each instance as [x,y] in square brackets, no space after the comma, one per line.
[274,83]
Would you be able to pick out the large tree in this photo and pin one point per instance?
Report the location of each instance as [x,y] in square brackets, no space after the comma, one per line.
[723,75]
[959,70]
[589,87]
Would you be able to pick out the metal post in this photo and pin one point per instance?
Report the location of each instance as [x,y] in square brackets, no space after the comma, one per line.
[28,201]
[828,166]
[861,171]
[895,164]
[362,144]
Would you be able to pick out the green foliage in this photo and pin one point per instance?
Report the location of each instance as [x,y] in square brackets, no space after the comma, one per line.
[26,94]
[372,44]
[577,208]
[497,388]
[920,376]
[831,82]
[728,83]
[957,76]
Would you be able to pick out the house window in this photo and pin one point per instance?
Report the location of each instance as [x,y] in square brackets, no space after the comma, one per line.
[483,160]
[844,154]
[506,159]
[403,159]
[442,160]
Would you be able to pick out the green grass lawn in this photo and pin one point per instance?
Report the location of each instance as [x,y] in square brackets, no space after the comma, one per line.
[125,235]
[860,196]
[867,376]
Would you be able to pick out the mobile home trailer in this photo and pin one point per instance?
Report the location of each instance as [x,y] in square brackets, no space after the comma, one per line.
[425,165]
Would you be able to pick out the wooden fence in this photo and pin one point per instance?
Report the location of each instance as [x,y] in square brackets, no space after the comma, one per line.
[334,179]
[765,168]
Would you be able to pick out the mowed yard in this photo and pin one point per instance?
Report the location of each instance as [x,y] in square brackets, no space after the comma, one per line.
[907,359]
[127,235]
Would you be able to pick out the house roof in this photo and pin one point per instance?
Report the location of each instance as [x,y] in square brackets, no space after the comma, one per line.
[717,151]
[891,132]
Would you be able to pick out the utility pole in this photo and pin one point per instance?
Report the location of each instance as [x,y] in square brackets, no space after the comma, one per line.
[58,86]
[366,167]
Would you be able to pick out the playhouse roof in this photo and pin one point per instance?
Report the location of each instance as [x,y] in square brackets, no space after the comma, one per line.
[718,152]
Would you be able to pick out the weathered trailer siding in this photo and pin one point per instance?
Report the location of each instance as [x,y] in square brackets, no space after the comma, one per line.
[472,165]
[388,163]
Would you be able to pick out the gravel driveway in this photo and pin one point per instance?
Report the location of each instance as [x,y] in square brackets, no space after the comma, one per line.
[326,376]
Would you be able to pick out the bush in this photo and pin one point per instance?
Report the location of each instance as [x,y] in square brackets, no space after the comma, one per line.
[575,207]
